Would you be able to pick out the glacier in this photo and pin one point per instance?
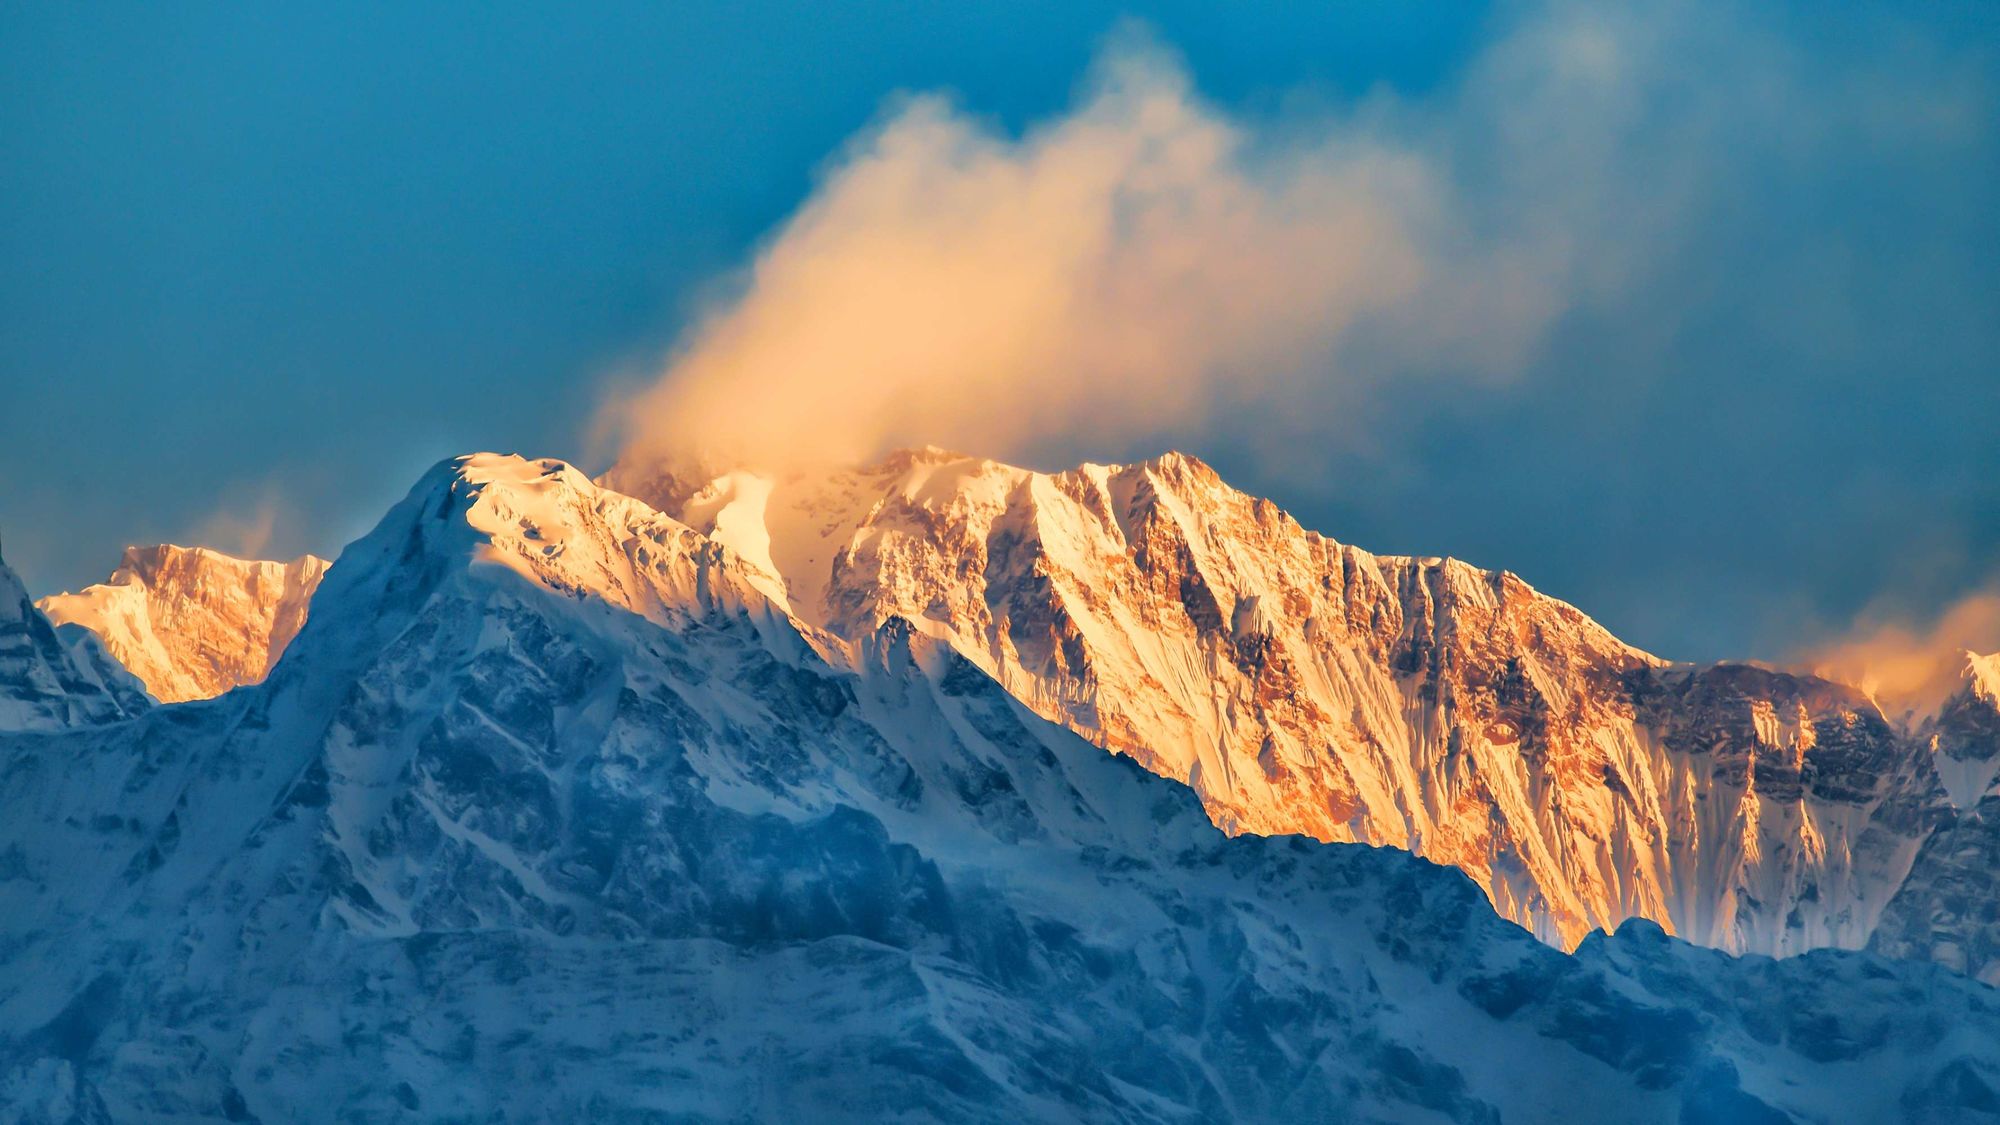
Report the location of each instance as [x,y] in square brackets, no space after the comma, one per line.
[561,808]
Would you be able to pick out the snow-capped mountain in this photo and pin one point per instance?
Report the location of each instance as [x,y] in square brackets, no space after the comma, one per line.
[1948,909]
[190,622]
[50,678]
[1964,736]
[554,810]
[1302,685]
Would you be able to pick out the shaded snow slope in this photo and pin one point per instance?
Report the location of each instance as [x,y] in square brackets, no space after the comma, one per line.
[1965,733]
[1948,910]
[1302,685]
[190,622]
[551,812]
[51,679]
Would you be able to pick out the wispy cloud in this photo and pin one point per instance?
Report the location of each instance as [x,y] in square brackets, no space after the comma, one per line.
[1148,265]
[1910,663]
[243,528]
[1601,197]
[1141,261]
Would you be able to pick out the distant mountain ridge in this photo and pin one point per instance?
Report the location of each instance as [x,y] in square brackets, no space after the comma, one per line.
[191,622]
[52,679]
[1302,685]
[552,812]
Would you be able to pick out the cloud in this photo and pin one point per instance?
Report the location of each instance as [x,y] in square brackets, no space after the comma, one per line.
[1140,262]
[1909,664]
[1600,197]
[242,530]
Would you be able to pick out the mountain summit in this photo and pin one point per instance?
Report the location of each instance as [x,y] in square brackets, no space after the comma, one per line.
[51,679]
[1300,685]
[190,622]
[552,811]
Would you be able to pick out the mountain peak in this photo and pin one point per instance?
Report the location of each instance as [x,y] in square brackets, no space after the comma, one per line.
[1964,734]
[547,522]
[545,778]
[514,469]
[1982,675]
[192,622]
[1299,685]
[899,459]
[146,564]
[51,679]
[1174,461]
[1296,684]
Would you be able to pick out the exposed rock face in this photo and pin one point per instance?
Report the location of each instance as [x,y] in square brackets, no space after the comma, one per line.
[1965,734]
[1301,685]
[51,679]
[190,622]
[551,812]
[1948,909]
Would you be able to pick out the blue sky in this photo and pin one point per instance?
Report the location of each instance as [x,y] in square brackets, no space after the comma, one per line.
[259,268]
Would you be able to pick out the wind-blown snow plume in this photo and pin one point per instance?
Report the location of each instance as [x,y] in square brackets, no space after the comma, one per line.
[240,530]
[1910,664]
[1148,266]
[1138,263]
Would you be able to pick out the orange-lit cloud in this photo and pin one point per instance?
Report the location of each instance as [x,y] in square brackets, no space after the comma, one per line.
[1142,261]
[244,531]
[1148,267]
[1911,665]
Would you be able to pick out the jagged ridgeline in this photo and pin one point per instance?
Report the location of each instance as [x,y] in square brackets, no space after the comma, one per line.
[562,808]
[1300,685]
[1303,686]
[192,623]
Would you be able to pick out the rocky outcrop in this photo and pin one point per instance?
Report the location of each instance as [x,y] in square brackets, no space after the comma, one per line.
[1301,685]
[192,623]
[52,679]
[551,812]
[1948,908]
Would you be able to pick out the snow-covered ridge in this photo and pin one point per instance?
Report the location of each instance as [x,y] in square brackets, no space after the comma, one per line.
[1982,674]
[551,813]
[191,622]
[1964,736]
[1302,685]
[51,679]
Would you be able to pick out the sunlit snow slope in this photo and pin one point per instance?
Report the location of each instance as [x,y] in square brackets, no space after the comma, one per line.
[1302,685]
[190,622]
[553,812]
